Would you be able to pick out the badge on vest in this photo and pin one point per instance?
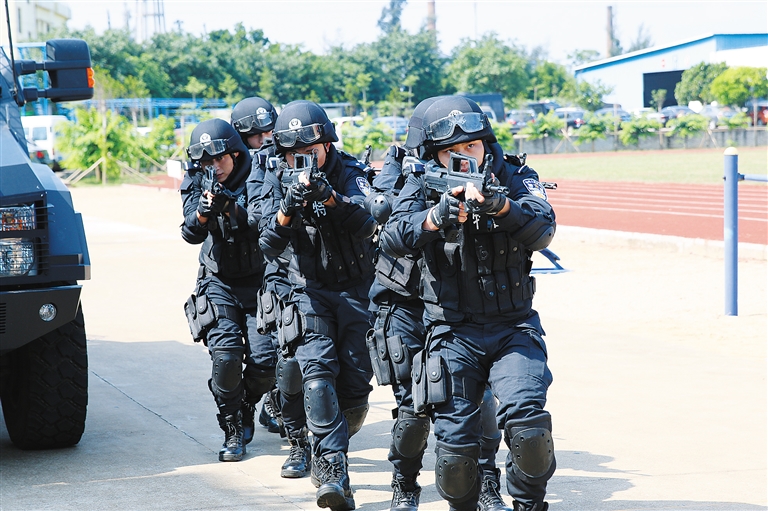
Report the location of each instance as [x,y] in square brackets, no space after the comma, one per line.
[535,188]
[363,185]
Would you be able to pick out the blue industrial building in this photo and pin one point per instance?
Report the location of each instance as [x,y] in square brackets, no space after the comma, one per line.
[634,75]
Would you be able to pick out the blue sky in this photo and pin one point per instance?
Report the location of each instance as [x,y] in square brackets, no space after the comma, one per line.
[558,26]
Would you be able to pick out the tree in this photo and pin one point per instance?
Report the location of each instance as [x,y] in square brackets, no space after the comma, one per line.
[642,40]
[579,57]
[489,65]
[389,21]
[658,97]
[589,96]
[195,87]
[548,80]
[737,85]
[696,82]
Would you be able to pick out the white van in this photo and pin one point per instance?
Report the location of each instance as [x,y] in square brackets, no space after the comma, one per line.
[40,130]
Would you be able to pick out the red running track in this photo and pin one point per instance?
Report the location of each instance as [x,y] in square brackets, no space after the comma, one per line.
[690,211]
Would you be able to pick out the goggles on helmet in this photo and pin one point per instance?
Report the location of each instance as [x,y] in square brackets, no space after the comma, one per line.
[306,135]
[255,121]
[443,128]
[213,147]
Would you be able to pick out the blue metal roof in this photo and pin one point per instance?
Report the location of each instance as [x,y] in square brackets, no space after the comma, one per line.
[722,42]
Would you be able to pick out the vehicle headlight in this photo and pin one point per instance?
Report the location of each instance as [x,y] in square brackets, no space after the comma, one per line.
[17,257]
[18,218]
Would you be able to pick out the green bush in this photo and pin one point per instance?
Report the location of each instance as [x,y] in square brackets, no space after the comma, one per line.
[503,135]
[738,121]
[633,130]
[687,125]
[595,128]
[357,138]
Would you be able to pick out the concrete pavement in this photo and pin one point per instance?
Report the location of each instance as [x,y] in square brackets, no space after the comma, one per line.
[659,400]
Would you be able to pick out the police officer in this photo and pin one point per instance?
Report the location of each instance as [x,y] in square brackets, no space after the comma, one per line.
[476,243]
[231,269]
[317,216]
[254,119]
[399,334]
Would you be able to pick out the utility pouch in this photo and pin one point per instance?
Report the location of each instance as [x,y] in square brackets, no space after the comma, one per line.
[190,310]
[266,320]
[291,329]
[398,355]
[380,367]
[438,381]
[419,384]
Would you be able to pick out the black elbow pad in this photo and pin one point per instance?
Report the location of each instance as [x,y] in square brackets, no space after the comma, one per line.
[536,235]
[192,237]
[379,206]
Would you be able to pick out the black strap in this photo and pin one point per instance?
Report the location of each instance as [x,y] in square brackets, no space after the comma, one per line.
[228,312]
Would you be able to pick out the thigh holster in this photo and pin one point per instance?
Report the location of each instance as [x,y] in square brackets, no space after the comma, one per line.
[431,382]
[268,311]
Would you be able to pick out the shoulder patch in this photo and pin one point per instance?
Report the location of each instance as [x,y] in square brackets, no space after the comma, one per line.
[363,185]
[535,188]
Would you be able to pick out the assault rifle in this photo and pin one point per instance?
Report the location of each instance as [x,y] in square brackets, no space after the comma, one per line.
[301,163]
[461,170]
[210,184]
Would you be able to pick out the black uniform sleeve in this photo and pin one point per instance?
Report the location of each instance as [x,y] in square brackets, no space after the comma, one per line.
[274,238]
[192,231]
[254,185]
[403,233]
[355,217]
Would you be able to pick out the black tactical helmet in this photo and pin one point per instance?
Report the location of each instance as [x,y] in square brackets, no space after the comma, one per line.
[212,138]
[301,124]
[416,123]
[452,120]
[252,116]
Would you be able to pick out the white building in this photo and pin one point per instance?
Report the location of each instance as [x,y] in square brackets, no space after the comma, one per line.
[635,75]
[31,20]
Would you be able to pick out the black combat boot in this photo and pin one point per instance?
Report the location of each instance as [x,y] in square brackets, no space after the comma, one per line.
[233,448]
[331,473]
[490,494]
[297,464]
[248,411]
[269,416]
[539,506]
[405,495]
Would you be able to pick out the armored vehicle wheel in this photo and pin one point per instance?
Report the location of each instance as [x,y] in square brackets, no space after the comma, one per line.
[46,393]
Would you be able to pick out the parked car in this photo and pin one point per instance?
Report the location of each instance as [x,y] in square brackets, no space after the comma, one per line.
[675,111]
[717,114]
[650,113]
[398,124]
[39,154]
[762,112]
[517,119]
[574,117]
[543,107]
[623,115]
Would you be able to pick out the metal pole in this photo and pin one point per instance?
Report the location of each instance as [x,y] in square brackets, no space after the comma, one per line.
[731,230]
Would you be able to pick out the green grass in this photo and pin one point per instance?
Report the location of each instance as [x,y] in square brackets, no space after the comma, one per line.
[670,166]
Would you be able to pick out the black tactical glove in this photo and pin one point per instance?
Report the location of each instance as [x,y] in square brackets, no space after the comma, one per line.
[494,202]
[219,203]
[204,206]
[393,161]
[293,200]
[446,212]
[318,191]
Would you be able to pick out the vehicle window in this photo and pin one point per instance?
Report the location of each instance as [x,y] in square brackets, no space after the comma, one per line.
[39,134]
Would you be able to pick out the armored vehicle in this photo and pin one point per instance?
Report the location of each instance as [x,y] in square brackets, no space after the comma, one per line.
[43,255]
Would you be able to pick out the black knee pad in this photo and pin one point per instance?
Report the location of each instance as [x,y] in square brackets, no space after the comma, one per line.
[321,405]
[227,372]
[257,382]
[531,449]
[409,434]
[456,472]
[288,375]
[355,411]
